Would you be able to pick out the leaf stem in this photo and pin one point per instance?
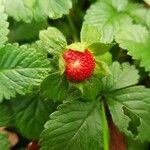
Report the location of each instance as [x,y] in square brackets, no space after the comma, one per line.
[105,129]
[73,28]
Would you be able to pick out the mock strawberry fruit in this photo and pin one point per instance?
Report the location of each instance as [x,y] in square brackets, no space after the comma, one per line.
[79,65]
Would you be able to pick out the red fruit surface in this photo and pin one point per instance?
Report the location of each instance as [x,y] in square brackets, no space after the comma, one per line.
[33,146]
[117,141]
[79,65]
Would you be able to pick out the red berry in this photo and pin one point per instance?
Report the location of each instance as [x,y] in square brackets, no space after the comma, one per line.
[79,65]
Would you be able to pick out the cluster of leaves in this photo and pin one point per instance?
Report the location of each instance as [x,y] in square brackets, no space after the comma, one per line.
[37,100]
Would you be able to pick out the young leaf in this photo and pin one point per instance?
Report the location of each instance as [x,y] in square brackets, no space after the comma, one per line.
[52,40]
[38,9]
[30,114]
[121,76]
[136,100]
[20,70]
[55,87]
[136,39]
[109,17]
[4,143]
[3,26]
[5,114]
[74,126]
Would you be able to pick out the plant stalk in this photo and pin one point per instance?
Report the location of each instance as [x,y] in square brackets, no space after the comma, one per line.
[105,129]
[73,28]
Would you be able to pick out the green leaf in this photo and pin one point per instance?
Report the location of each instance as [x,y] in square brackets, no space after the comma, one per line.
[4,143]
[20,70]
[101,69]
[55,87]
[135,100]
[90,34]
[3,26]
[138,12]
[121,76]
[5,114]
[36,9]
[99,48]
[20,32]
[129,105]
[135,39]
[52,40]
[30,114]
[109,17]
[74,126]
[135,144]
[107,58]
[77,46]
[91,88]
[148,19]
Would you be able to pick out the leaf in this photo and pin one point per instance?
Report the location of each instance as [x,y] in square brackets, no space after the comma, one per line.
[136,100]
[37,10]
[55,87]
[4,143]
[90,34]
[74,126]
[30,114]
[5,114]
[52,40]
[121,76]
[21,32]
[21,69]
[138,12]
[3,26]
[129,105]
[135,39]
[108,17]
[148,19]
[135,145]
[77,46]
[90,88]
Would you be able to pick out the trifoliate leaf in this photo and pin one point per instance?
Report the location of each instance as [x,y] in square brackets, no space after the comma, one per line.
[136,40]
[55,87]
[74,126]
[52,40]
[136,101]
[3,26]
[5,114]
[36,9]
[30,114]
[121,76]
[20,70]
[129,106]
[4,143]
[109,17]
